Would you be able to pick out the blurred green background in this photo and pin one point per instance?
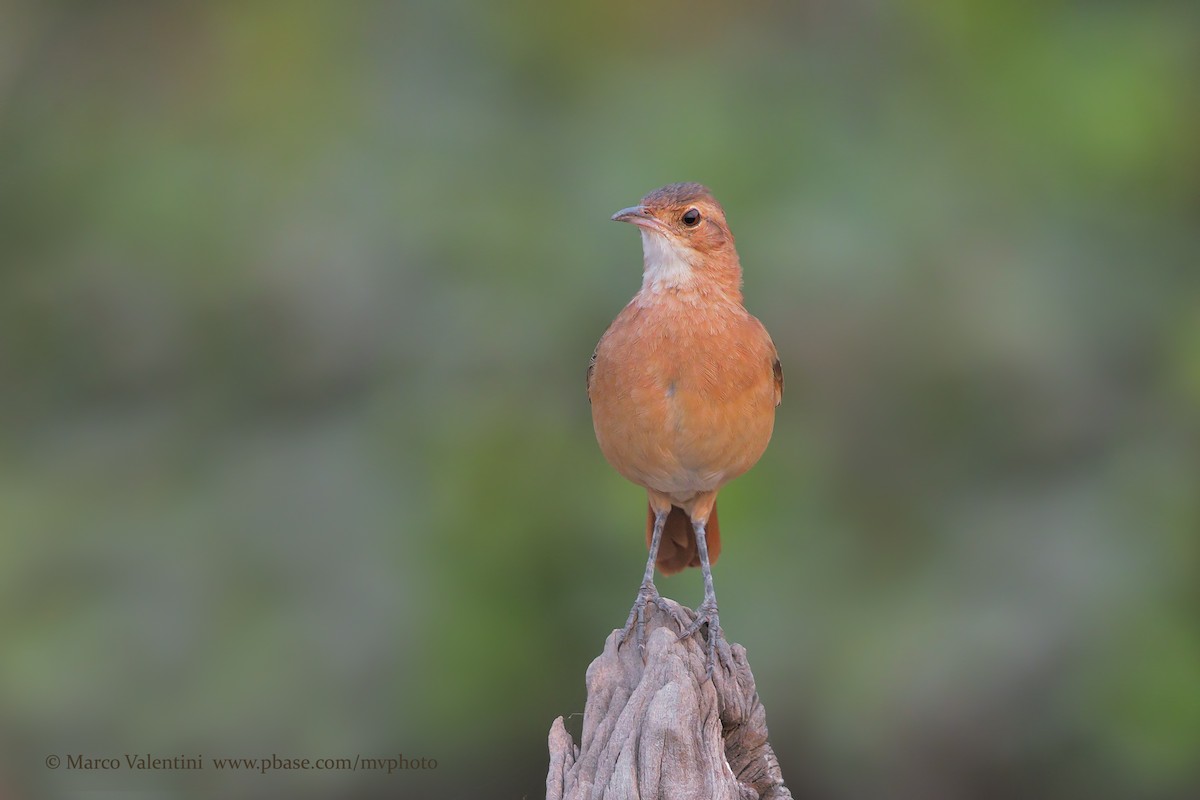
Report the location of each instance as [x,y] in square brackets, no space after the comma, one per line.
[296,301]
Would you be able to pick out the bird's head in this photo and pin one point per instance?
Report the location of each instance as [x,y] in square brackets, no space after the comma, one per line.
[685,239]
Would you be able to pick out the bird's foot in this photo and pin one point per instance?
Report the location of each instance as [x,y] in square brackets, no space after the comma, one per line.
[706,614]
[647,593]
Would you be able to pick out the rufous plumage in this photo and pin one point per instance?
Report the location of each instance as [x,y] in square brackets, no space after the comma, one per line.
[683,387]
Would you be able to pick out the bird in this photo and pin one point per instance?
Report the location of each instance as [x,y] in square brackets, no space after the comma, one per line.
[683,387]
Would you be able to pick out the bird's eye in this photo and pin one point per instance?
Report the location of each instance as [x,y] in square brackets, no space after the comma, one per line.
[691,217]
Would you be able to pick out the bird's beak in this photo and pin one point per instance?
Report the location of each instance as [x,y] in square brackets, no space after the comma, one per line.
[640,216]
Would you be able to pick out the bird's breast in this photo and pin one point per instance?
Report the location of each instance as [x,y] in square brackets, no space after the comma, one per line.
[683,401]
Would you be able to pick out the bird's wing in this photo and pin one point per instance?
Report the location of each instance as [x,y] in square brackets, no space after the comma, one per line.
[591,369]
[776,367]
[778,370]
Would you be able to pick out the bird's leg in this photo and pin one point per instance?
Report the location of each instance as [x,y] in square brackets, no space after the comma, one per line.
[707,612]
[647,593]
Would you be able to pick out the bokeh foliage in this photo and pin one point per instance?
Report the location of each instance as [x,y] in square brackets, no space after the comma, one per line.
[295,306]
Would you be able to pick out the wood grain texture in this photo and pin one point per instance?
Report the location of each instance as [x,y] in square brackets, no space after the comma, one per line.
[660,731]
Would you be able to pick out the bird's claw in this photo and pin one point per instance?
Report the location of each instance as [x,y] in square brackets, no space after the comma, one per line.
[706,614]
[637,615]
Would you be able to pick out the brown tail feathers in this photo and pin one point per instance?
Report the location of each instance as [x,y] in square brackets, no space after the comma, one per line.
[677,549]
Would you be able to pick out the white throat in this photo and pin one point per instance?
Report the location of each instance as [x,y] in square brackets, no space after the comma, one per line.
[667,265]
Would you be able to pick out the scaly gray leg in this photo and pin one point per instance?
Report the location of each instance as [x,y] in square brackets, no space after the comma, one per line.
[707,612]
[647,593]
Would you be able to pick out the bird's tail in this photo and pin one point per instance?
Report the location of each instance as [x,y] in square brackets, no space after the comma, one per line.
[677,548]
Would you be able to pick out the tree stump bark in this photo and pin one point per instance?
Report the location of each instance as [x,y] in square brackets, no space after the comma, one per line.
[660,730]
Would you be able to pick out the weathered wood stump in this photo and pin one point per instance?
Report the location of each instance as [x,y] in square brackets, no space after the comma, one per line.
[660,730]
